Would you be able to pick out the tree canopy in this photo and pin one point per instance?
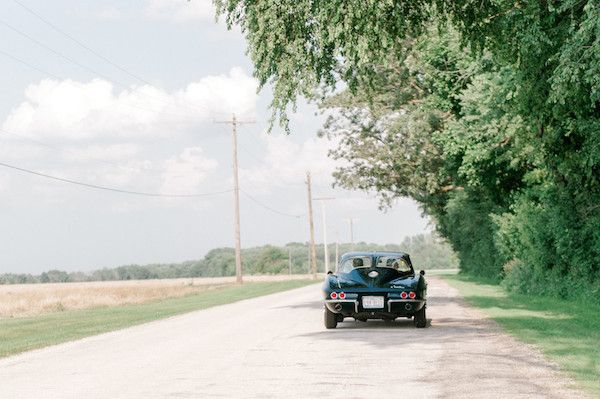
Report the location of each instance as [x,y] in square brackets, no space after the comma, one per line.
[485,112]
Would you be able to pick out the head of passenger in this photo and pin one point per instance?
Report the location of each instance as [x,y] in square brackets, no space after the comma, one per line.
[357,262]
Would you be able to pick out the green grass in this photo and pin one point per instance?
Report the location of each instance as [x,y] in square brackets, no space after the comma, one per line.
[27,333]
[567,332]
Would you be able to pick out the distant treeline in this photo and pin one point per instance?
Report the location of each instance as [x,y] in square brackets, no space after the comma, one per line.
[426,251]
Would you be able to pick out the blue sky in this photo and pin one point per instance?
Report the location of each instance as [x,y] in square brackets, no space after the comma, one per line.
[147,125]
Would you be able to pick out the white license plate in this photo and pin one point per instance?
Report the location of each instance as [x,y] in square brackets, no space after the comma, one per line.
[372,302]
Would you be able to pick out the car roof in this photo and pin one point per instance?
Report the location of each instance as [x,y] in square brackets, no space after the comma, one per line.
[375,254]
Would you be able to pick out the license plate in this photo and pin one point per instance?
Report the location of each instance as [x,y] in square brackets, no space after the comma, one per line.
[372,302]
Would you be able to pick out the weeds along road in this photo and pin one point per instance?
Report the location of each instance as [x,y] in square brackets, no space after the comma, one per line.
[276,347]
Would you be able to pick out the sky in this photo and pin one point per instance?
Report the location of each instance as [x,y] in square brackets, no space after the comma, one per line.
[126,95]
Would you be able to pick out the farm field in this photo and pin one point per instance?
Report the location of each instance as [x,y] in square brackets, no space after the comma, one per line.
[117,305]
[33,299]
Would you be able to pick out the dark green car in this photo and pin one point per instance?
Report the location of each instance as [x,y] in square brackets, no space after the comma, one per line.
[375,285]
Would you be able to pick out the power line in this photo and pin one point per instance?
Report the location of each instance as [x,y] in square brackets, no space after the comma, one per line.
[269,208]
[273,176]
[95,72]
[33,39]
[29,65]
[118,190]
[104,161]
[81,44]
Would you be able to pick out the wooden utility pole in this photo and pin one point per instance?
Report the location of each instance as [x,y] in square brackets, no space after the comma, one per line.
[324,220]
[351,221]
[313,249]
[337,247]
[290,260]
[236,196]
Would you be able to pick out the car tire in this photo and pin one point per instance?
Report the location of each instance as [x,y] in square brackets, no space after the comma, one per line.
[330,319]
[420,318]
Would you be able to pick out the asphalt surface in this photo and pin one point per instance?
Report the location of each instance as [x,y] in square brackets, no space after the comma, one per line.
[276,347]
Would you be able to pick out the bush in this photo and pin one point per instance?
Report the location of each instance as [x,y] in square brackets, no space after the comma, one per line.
[552,250]
[470,229]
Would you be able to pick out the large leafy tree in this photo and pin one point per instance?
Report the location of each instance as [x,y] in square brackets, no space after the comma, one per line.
[506,132]
[436,129]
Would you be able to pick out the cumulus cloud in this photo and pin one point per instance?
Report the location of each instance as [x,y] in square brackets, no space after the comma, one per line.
[180,10]
[95,133]
[185,173]
[286,162]
[83,110]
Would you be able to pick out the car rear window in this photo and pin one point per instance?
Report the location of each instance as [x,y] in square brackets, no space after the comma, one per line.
[395,262]
[355,262]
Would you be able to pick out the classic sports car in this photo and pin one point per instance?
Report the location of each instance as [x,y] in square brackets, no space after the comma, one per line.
[375,285]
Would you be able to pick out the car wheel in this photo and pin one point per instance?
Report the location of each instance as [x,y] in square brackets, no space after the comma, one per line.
[420,318]
[330,319]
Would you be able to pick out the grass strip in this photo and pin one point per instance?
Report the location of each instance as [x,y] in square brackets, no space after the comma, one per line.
[27,333]
[567,332]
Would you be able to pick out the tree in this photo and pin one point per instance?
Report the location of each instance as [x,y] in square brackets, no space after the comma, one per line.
[506,133]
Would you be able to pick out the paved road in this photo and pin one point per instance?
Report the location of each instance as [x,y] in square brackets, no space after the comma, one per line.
[276,347]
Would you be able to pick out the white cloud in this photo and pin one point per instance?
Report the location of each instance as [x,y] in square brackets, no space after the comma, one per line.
[185,173]
[180,10]
[83,110]
[94,133]
[287,162]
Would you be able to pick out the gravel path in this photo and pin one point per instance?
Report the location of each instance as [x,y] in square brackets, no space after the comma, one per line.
[276,347]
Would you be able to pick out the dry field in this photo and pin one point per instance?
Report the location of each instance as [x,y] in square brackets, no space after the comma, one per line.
[33,299]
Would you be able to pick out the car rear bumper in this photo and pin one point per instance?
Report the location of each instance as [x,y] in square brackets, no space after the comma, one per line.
[391,305]
[404,305]
[345,305]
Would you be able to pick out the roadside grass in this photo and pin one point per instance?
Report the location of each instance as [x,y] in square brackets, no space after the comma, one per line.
[567,332]
[27,333]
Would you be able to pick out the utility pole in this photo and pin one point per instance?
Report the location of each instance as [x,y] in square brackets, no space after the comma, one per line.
[236,191]
[312,249]
[309,259]
[324,220]
[351,221]
[290,260]
[337,247]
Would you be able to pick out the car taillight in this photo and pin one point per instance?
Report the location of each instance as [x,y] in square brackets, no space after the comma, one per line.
[404,295]
[412,295]
[333,295]
[342,295]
